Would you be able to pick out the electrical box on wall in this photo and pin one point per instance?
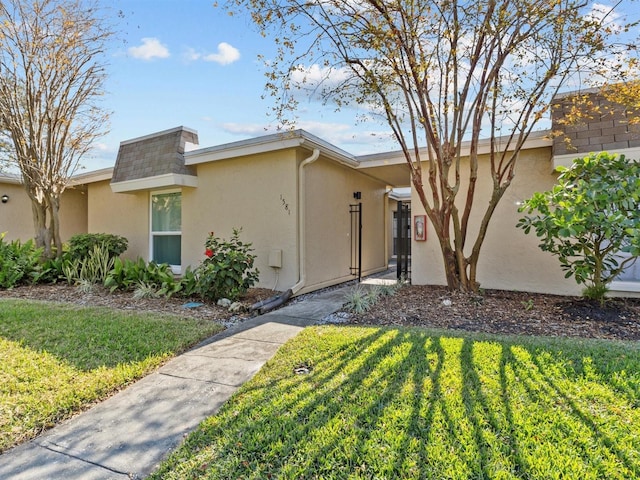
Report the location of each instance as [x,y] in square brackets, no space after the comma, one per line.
[275,258]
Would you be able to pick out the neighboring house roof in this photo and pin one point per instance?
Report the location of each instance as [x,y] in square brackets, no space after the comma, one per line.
[154,161]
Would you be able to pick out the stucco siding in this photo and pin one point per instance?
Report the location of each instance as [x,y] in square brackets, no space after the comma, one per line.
[256,193]
[329,189]
[125,214]
[509,259]
[16,216]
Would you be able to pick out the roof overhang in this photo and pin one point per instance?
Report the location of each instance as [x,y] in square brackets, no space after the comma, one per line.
[10,179]
[393,168]
[153,183]
[270,143]
[92,177]
[566,160]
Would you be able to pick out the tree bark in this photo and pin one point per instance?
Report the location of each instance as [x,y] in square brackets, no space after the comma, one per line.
[42,233]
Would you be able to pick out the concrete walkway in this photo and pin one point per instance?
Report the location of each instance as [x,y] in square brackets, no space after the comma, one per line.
[129,434]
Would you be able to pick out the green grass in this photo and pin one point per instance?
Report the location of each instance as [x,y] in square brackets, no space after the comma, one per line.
[57,359]
[411,403]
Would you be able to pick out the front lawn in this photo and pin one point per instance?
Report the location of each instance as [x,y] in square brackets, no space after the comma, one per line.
[383,403]
[57,359]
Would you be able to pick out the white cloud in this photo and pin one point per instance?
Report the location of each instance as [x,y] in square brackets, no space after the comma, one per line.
[191,55]
[353,140]
[606,14]
[314,76]
[225,55]
[151,48]
[248,129]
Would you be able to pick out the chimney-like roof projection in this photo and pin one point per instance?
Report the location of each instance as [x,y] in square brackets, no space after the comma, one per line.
[154,161]
[604,126]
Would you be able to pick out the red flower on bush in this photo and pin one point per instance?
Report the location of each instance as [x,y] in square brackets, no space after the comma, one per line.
[208,252]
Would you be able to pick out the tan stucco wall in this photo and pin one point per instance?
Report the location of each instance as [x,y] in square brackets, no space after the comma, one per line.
[259,193]
[125,214]
[16,216]
[509,259]
[255,193]
[329,192]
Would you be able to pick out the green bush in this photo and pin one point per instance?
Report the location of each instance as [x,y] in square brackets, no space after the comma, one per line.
[82,244]
[19,262]
[130,275]
[53,269]
[589,218]
[226,272]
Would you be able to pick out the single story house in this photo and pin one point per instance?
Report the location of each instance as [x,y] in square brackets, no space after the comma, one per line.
[315,214]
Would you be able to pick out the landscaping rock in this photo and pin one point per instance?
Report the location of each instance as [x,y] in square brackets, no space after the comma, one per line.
[224,302]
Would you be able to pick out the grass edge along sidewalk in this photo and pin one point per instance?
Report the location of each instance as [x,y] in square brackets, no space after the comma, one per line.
[57,359]
[363,402]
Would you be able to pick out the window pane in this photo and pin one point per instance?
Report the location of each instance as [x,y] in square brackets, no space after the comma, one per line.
[166,212]
[166,249]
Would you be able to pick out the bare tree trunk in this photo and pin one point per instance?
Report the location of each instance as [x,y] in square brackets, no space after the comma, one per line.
[42,233]
[55,226]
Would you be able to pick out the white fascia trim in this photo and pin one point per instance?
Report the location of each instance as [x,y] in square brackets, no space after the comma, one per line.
[92,177]
[538,139]
[10,179]
[405,197]
[234,150]
[566,160]
[159,181]
[269,143]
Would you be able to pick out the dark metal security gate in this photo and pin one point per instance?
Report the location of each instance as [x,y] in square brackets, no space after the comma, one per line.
[355,210]
[403,239]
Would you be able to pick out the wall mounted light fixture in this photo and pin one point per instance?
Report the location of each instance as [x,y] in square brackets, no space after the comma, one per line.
[5,198]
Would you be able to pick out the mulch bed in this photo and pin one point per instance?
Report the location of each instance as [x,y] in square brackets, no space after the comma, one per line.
[506,312]
[494,311]
[100,296]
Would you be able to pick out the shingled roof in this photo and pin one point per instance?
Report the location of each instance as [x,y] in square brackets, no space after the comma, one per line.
[154,156]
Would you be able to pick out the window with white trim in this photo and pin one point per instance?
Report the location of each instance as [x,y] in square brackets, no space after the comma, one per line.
[166,228]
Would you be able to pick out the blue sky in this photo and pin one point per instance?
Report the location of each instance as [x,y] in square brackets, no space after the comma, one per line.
[189,63]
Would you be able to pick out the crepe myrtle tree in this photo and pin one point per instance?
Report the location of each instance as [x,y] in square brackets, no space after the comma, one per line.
[442,74]
[589,219]
[52,73]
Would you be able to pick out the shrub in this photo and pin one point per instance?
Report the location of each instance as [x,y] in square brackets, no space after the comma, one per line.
[129,275]
[53,269]
[82,244]
[19,262]
[589,218]
[226,272]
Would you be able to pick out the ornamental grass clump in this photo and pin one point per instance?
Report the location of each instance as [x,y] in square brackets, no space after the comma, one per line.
[226,272]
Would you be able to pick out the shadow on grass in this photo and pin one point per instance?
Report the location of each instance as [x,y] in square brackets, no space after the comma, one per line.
[410,403]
